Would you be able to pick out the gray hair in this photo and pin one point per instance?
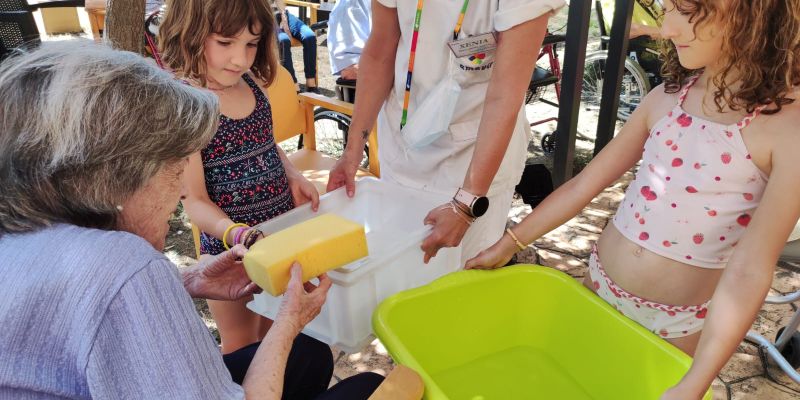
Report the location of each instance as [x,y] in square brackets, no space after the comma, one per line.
[83,127]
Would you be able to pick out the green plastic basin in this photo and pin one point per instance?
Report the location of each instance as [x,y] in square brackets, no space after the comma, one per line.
[523,332]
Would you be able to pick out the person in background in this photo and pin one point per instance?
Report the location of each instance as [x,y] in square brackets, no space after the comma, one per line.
[290,25]
[644,36]
[349,25]
[645,20]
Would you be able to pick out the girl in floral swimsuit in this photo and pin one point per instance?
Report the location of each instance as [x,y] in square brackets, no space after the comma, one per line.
[242,178]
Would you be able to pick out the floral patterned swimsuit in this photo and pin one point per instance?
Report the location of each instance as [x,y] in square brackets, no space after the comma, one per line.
[695,191]
[692,199]
[243,171]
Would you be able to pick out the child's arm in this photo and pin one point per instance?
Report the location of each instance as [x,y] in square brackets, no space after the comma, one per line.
[748,274]
[202,211]
[566,202]
[303,191]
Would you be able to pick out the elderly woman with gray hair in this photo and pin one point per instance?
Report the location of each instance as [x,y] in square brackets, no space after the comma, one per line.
[93,146]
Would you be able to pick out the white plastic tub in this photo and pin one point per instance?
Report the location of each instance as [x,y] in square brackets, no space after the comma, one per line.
[392,216]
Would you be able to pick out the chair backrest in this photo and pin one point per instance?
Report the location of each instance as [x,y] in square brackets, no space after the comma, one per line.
[288,116]
[17,27]
[13,5]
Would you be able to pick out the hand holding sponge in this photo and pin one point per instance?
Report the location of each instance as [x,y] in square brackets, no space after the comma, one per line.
[320,244]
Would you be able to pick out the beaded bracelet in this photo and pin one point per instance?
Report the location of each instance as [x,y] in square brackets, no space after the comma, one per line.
[246,238]
[251,237]
[516,241]
[227,231]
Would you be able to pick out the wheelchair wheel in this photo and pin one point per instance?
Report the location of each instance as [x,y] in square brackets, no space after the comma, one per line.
[331,129]
[635,85]
[549,143]
[791,352]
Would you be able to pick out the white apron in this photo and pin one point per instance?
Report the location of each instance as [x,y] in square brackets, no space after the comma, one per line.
[441,166]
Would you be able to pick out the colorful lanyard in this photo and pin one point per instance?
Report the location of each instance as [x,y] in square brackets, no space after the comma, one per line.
[412,57]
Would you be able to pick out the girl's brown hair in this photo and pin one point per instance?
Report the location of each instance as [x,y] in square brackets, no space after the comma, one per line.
[761,51]
[187,24]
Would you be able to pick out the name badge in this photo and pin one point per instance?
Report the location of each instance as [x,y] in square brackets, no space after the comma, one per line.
[482,43]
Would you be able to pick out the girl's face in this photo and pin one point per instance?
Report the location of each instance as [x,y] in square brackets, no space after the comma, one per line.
[227,58]
[698,46]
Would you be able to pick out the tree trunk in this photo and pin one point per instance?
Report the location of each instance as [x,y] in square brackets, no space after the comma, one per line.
[124,28]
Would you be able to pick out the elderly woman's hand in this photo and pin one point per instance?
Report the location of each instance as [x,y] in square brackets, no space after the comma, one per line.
[302,302]
[221,277]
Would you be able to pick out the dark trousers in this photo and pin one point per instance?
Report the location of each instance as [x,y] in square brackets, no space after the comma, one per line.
[305,35]
[308,372]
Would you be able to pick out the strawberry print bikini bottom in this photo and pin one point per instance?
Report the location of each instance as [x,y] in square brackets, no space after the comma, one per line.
[664,320]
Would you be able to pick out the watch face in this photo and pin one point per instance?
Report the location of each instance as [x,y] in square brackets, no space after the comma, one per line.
[480,206]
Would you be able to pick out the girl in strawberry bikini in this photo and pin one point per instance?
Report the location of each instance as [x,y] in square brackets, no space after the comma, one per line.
[691,251]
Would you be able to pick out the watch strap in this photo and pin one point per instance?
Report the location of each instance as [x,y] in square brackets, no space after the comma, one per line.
[464,197]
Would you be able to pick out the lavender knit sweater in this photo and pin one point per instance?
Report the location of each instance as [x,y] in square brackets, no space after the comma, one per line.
[86,313]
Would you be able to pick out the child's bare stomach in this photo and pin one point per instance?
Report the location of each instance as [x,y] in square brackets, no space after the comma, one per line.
[653,277]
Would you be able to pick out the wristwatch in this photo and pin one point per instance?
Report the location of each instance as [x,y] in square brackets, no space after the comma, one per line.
[477,205]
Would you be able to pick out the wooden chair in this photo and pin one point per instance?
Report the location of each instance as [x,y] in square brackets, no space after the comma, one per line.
[17,26]
[292,116]
[97,17]
[97,14]
[305,7]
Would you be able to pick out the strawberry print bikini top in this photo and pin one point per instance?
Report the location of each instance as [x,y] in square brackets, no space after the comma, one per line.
[695,191]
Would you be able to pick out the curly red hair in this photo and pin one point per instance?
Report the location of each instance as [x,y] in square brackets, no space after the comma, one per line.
[761,47]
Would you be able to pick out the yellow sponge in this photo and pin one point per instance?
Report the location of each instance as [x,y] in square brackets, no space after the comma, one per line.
[319,245]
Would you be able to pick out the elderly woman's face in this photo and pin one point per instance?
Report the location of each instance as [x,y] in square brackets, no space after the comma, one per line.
[147,212]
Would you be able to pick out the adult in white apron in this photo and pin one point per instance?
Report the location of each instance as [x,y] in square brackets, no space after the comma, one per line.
[464,133]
